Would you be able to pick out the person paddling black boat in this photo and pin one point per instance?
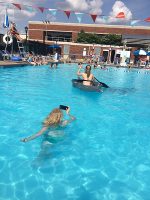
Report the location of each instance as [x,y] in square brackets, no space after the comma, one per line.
[89,82]
[87,76]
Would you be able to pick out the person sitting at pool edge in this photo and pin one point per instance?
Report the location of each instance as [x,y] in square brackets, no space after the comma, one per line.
[87,76]
[54,120]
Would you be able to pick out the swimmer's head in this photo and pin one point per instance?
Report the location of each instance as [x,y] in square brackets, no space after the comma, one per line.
[88,70]
[54,118]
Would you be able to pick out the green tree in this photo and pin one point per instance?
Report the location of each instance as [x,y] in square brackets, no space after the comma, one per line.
[90,38]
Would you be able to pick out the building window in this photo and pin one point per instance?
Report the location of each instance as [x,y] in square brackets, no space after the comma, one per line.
[58,36]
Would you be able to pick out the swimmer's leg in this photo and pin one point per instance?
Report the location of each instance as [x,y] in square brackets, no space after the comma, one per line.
[43,155]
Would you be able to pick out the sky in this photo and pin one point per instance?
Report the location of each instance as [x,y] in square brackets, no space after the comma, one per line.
[133,10]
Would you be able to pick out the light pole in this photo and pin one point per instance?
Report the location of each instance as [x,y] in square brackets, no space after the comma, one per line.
[26,31]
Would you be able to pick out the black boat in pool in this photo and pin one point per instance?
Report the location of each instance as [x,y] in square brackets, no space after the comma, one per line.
[95,87]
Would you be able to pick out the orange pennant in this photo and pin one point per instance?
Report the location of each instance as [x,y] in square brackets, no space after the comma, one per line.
[120,15]
[147,19]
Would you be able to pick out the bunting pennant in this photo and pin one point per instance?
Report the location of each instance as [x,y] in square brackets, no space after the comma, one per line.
[94,17]
[67,12]
[41,9]
[105,19]
[147,19]
[17,5]
[120,15]
[7,5]
[79,16]
[133,22]
[53,11]
[30,9]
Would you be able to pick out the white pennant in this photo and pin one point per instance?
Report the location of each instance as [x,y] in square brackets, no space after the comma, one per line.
[133,22]
[53,11]
[79,16]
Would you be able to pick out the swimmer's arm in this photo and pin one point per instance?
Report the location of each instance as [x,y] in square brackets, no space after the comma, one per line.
[71,118]
[32,137]
[78,72]
[66,122]
[93,77]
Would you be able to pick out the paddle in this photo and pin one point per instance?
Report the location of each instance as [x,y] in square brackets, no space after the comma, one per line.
[103,84]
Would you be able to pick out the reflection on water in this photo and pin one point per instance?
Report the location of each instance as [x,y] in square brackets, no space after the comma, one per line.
[122,90]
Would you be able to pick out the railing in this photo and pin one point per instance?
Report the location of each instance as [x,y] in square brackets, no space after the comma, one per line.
[61,39]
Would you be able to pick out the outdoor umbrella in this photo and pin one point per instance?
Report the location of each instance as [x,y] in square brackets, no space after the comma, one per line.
[148,53]
[54,46]
[140,52]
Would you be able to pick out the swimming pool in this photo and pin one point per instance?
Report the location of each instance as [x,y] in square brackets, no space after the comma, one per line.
[103,155]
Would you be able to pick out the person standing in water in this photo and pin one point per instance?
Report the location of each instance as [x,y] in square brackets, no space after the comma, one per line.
[52,122]
[87,76]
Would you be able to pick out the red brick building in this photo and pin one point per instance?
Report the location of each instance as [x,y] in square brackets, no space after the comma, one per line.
[65,34]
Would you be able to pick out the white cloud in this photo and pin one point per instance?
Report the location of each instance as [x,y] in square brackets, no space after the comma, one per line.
[17,15]
[76,5]
[118,7]
[91,6]
[95,6]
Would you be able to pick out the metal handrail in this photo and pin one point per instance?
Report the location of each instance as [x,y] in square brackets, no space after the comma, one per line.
[61,39]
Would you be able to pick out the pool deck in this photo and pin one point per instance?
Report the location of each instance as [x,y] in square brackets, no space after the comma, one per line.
[8,63]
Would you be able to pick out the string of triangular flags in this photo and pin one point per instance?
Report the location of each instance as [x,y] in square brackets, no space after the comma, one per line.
[79,15]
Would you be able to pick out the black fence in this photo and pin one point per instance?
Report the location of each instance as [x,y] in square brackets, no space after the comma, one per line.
[35,47]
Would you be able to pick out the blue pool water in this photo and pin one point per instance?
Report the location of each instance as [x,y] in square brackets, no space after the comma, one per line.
[103,155]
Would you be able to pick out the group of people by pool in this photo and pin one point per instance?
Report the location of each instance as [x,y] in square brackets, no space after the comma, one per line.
[38,60]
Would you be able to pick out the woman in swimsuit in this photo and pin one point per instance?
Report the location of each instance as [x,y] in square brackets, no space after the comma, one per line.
[87,76]
[52,122]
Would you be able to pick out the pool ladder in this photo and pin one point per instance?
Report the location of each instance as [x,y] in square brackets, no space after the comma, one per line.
[21,48]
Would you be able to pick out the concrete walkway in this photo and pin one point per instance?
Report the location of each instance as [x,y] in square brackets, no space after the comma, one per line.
[7,63]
